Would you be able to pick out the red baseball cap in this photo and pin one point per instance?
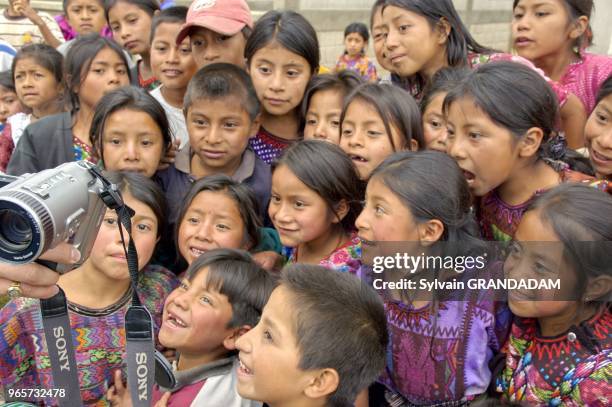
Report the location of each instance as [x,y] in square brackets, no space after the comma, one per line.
[225,17]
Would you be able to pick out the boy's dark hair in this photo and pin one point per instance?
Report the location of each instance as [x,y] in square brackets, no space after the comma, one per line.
[443,81]
[148,6]
[144,190]
[358,28]
[6,81]
[395,106]
[236,275]
[291,30]
[171,15]
[577,9]
[222,80]
[329,171]
[517,98]
[240,193]
[343,81]
[44,55]
[340,324]
[605,90]
[132,98]
[79,58]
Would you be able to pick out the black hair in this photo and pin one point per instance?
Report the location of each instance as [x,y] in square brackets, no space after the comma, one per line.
[148,6]
[144,190]
[45,56]
[79,58]
[357,28]
[577,9]
[343,81]
[132,98]
[443,81]
[171,15]
[605,90]
[319,297]
[222,80]
[460,41]
[6,81]
[65,4]
[289,29]
[327,170]
[236,275]
[240,193]
[517,98]
[397,109]
[432,186]
[579,216]
[377,4]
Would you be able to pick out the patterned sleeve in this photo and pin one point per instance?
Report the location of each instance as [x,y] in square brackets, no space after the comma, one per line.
[6,147]
[18,319]
[371,72]
[475,60]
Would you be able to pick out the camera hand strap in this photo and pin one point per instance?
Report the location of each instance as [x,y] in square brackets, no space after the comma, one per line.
[58,334]
[138,330]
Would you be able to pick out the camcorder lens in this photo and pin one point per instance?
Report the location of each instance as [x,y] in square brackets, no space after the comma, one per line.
[15,231]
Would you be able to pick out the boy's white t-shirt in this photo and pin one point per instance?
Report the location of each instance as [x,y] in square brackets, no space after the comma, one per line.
[178,127]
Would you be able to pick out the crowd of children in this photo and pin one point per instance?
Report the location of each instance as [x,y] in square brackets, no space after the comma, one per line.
[258,183]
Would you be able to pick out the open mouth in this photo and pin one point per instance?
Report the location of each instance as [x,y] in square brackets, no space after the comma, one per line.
[175,321]
[469,176]
[243,369]
[598,157]
[196,252]
[172,73]
[357,158]
[522,41]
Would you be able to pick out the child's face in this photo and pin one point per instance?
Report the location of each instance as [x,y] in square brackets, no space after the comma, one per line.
[269,355]
[107,254]
[280,78]
[210,47]
[9,104]
[485,152]
[537,253]
[434,125]
[172,64]
[411,45]
[132,141]
[36,86]
[384,217]
[378,40]
[85,16]
[598,135]
[131,27]
[212,221]
[541,28]
[323,116]
[195,318]
[354,44]
[365,139]
[106,73]
[219,132]
[298,213]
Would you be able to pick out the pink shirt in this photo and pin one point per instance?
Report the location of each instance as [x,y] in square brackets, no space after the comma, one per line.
[584,78]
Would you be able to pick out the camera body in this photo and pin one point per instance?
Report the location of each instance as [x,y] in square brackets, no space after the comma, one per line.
[39,211]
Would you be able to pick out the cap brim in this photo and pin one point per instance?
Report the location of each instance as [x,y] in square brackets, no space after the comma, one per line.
[219,25]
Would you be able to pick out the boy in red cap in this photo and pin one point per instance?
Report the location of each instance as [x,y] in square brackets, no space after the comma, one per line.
[218,30]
